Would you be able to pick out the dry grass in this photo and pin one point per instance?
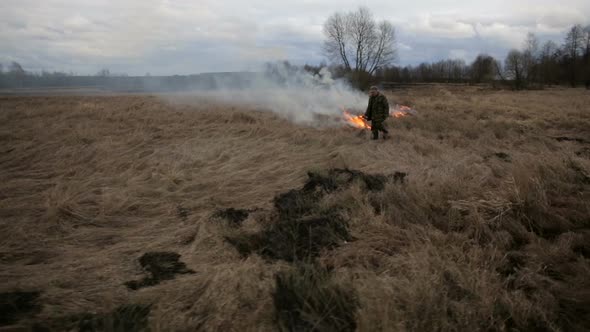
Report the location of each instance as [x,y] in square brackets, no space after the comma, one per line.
[489,232]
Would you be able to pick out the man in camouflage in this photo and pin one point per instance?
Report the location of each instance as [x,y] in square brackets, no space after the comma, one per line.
[377,112]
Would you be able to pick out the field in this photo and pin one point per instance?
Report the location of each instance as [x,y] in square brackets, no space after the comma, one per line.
[174,214]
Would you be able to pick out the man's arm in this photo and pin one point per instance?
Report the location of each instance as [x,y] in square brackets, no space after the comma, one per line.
[369,111]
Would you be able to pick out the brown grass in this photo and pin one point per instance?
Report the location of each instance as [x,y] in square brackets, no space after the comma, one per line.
[490,231]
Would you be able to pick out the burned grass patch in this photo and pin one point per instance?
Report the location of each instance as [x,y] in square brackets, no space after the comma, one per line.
[304,238]
[296,203]
[399,177]
[15,306]
[234,217]
[570,139]
[503,156]
[299,202]
[299,230]
[183,212]
[307,299]
[581,175]
[132,318]
[338,178]
[297,239]
[583,153]
[160,266]
[125,318]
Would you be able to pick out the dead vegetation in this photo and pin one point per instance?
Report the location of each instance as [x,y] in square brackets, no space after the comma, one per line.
[160,266]
[17,305]
[306,299]
[234,216]
[474,216]
[300,228]
[125,318]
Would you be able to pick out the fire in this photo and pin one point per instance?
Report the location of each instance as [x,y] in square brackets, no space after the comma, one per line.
[400,111]
[357,121]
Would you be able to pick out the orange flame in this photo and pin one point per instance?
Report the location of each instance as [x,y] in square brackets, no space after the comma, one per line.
[357,121]
[400,111]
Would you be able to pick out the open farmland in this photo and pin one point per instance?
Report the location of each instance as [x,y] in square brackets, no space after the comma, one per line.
[175,214]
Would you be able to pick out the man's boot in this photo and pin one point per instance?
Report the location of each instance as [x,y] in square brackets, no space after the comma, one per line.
[385,135]
[375,135]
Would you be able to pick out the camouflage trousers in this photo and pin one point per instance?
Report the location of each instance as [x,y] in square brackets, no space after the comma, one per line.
[376,127]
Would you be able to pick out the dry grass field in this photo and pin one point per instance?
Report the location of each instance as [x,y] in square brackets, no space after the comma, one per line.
[145,213]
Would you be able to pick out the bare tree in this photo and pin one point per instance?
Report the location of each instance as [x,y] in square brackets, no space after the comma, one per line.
[103,73]
[574,41]
[335,29]
[573,47]
[483,69]
[16,74]
[530,56]
[361,27]
[515,68]
[587,56]
[531,44]
[16,69]
[549,66]
[358,42]
[549,50]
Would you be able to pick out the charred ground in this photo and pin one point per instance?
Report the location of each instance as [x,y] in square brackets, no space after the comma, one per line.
[135,213]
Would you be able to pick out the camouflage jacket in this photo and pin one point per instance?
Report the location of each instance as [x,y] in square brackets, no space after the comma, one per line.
[378,109]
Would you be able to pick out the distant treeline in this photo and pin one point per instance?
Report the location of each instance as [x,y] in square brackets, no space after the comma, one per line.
[534,65]
[16,77]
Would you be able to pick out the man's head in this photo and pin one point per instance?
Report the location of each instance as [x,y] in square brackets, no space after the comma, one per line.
[373,91]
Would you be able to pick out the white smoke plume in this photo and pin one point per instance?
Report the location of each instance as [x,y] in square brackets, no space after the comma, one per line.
[289,91]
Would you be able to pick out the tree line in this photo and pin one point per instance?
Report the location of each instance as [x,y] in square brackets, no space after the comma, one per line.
[534,65]
[15,77]
[364,51]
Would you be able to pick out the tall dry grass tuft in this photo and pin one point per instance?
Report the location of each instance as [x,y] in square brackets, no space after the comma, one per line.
[488,230]
[306,299]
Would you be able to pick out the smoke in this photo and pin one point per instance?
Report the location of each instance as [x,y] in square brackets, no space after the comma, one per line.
[289,91]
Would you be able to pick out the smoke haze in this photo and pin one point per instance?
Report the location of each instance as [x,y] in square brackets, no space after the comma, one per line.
[291,92]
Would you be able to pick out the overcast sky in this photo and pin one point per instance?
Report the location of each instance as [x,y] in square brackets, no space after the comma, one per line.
[180,37]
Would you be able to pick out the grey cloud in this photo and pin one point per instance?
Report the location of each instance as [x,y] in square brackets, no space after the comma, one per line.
[180,36]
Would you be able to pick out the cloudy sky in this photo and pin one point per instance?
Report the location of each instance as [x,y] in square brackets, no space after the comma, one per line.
[181,36]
